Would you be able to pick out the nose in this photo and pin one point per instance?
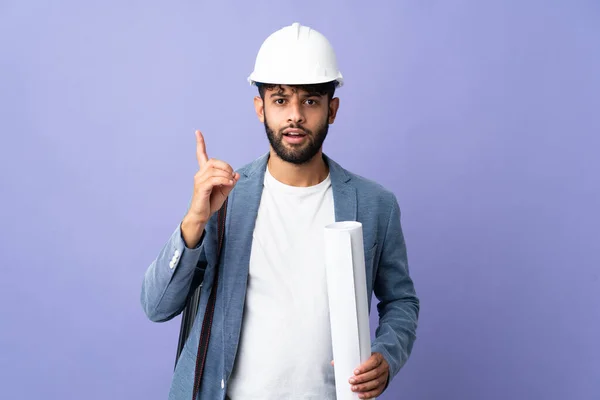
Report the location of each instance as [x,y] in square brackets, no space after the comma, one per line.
[296,114]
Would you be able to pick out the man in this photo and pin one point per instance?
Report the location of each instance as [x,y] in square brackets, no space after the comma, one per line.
[270,336]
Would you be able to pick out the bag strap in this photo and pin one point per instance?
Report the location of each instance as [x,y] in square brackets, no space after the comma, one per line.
[210,307]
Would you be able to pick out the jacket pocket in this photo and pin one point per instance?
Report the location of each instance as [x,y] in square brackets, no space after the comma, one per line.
[371,266]
[369,253]
[370,257]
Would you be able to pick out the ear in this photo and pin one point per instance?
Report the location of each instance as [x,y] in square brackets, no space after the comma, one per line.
[334,105]
[259,107]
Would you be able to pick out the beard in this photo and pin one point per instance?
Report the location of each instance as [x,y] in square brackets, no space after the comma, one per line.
[303,153]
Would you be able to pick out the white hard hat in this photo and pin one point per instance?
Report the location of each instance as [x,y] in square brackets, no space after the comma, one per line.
[296,55]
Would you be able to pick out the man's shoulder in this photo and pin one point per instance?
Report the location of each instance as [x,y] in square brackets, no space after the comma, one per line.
[369,185]
[369,188]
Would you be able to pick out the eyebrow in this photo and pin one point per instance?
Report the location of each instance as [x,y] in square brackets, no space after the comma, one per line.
[310,94]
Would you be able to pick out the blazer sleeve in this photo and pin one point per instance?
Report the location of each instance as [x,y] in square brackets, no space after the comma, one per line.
[398,305]
[168,279]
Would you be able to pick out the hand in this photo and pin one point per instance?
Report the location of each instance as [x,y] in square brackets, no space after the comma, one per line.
[212,184]
[371,377]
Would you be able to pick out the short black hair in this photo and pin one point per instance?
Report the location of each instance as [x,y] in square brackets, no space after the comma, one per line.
[322,89]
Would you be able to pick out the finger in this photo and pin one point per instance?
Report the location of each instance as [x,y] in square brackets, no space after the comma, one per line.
[218,164]
[211,172]
[367,376]
[201,149]
[371,394]
[373,362]
[218,180]
[226,189]
[367,386]
[332,364]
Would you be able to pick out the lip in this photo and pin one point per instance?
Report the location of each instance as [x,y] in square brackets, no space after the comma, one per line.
[294,130]
[296,139]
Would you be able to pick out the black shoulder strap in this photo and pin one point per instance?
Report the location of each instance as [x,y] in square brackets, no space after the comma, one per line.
[210,307]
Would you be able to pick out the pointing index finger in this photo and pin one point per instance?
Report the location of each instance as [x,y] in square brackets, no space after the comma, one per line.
[201,149]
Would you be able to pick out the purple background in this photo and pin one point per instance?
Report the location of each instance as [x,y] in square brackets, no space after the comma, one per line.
[483,118]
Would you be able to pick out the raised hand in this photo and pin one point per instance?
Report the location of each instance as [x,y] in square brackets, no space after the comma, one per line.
[212,184]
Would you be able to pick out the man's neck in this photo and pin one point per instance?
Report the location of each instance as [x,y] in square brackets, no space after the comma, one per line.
[309,174]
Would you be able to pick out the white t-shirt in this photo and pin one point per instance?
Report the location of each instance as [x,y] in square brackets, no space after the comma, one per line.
[285,343]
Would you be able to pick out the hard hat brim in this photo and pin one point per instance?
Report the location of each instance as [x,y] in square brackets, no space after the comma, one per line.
[253,81]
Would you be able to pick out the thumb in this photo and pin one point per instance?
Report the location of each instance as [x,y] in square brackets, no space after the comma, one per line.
[227,189]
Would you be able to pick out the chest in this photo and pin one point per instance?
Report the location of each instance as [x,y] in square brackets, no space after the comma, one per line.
[288,232]
[291,216]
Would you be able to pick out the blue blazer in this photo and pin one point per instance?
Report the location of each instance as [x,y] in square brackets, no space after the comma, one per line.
[167,280]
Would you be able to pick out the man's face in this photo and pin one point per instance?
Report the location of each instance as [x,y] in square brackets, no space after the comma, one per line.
[296,121]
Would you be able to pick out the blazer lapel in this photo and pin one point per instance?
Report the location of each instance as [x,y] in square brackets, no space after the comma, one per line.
[242,210]
[344,194]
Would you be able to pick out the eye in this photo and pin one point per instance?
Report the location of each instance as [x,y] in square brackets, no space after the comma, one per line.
[311,102]
[279,101]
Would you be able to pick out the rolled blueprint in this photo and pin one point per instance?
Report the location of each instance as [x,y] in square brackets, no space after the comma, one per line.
[348,305]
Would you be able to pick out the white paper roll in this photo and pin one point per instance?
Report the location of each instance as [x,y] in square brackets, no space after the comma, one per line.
[348,303]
